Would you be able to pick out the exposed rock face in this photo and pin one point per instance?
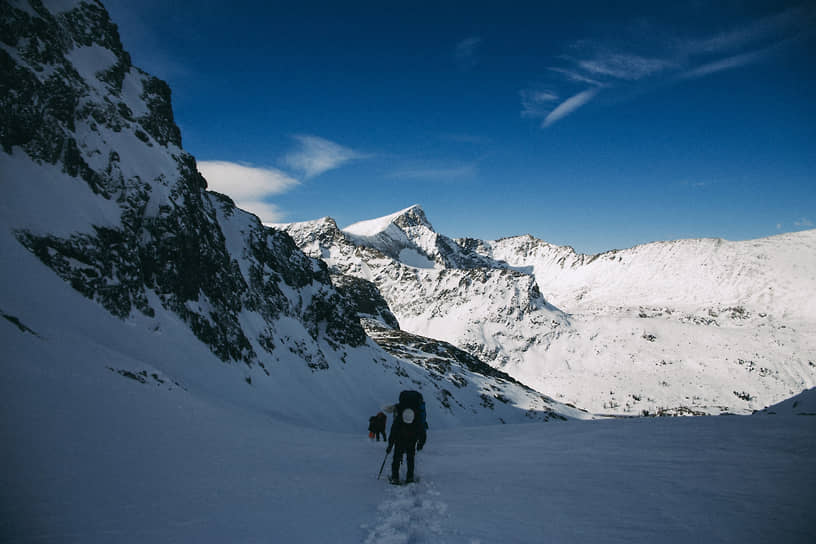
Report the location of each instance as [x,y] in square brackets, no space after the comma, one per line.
[132,227]
[74,100]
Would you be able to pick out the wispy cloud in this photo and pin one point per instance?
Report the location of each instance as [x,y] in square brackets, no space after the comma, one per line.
[592,66]
[769,27]
[574,76]
[537,103]
[315,156]
[248,186]
[465,52]
[569,105]
[624,66]
[803,222]
[724,64]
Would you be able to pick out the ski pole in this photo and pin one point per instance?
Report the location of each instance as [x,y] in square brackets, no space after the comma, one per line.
[383,464]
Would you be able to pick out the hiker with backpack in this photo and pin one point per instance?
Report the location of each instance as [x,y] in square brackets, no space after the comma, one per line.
[376,426]
[408,433]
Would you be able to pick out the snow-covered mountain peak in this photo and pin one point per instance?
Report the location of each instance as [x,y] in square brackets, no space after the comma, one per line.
[639,321]
[406,236]
[412,216]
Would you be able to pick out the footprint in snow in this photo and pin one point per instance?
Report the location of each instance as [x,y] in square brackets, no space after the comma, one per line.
[410,514]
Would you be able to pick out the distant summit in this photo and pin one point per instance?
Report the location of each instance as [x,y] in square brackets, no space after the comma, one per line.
[412,216]
[669,328]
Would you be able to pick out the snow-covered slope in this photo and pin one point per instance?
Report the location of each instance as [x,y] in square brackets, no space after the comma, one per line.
[691,326]
[704,325]
[457,296]
[803,404]
[770,275]
[91,457]
[113,251]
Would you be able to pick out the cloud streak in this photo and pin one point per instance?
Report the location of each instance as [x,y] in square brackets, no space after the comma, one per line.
[537,103]
[597,66]
[248,186]
[624,66]
[568,106]
[315,156]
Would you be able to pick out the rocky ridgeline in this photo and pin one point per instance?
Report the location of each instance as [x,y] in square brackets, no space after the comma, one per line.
[149,243]
[455,295]
[169,247]
[663,328]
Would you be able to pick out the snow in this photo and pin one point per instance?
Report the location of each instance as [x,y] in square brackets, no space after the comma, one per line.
[28,186]
[803,404]
[415,259]
[373,227]
[132,89]
[90,60]
[703,326]
[194,454]
[92,457]
[132,430]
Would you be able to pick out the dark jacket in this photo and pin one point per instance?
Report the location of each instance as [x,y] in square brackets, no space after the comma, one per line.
[376,424]
[404,434]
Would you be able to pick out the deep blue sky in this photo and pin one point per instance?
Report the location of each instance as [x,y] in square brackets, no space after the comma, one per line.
[588,124]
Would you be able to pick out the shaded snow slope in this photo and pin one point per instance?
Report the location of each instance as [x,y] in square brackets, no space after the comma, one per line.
[113,250]
[114,459]
[803,404]
[683,327]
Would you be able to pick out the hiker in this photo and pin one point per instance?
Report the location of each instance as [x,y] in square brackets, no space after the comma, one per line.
[408,433]
[376,426]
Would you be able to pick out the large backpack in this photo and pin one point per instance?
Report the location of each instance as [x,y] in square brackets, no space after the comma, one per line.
[411,409]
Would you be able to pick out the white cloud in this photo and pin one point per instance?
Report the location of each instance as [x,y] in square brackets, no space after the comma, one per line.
[316,155]
[248,186]
[568,106]
[575,76]
[803,222]
[536,103]
[770,26]
[725,64]
[624,66]
[665,58]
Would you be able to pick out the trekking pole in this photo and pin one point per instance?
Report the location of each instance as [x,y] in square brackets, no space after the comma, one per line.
[383,464]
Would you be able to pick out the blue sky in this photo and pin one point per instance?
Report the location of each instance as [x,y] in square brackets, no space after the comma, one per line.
[590,125]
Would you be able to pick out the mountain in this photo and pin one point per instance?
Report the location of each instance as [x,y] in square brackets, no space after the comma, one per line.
[803,404]
[683,327]
[102,209]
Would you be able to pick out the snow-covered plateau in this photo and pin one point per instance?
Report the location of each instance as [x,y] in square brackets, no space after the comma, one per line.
[175,371]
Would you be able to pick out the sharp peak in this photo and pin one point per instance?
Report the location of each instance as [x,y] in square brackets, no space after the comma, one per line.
[411,217]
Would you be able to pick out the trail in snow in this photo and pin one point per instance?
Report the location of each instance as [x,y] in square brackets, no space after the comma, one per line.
[410,514]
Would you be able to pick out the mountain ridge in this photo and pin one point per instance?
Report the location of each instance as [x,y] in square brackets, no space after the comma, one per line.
[223,307]
[629,322]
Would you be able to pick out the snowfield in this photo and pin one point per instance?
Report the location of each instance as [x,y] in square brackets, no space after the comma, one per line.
[91,456]
[115,432]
